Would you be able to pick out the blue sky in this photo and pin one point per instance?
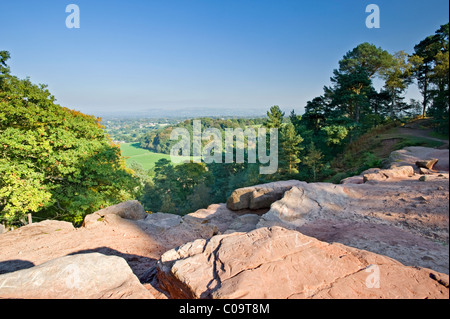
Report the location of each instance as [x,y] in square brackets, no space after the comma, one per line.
[132,56]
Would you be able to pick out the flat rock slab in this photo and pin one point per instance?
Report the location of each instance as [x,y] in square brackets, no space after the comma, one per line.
[131,210]
[411,155]
[278,263]
[399,172]
[82,276]
[404,219]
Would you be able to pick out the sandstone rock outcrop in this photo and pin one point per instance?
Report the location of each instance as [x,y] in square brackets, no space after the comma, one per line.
[259,196]
[393,215]
[280,263]
[392,173]
[413,154]
[44,227]
[306,202]
[132,210]
[427,163]
[173,230]
[386,218]
[83,276]
[353,180]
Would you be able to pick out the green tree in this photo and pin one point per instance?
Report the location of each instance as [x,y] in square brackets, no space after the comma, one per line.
[313,160]
[439,108]
[54,162]
[424,61]
[353,80]
[351,92]
[290,149]
[4,68]
[176,189]
[397,78]
[274,117]
[373,60]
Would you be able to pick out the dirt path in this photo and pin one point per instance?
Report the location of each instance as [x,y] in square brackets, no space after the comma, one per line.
[418,129]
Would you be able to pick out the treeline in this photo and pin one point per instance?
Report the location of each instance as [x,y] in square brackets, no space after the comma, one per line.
[351,106]
[131,130]
[159,141]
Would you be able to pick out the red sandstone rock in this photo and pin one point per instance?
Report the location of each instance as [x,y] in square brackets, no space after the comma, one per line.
[280,263]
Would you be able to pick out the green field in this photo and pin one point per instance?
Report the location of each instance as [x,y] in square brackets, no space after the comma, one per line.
[133,153]
[147,159]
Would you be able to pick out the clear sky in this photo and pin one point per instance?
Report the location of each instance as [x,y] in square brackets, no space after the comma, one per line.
[138,55]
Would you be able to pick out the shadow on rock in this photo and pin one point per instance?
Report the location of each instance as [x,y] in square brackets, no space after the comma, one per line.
[14,265]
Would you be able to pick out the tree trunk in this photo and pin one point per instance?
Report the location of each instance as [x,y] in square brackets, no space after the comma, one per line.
[357,113]
[424,106]
[425,95]
[392,106]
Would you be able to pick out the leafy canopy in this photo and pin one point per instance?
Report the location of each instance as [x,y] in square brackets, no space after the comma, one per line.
[54,162]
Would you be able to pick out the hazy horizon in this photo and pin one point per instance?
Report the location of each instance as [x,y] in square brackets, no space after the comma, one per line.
[202,57]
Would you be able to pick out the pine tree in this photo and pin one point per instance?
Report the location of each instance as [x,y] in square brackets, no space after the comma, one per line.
[275,117]
[313,160]
[290,149]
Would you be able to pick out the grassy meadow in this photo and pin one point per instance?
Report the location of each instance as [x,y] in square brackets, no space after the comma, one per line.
[147,159]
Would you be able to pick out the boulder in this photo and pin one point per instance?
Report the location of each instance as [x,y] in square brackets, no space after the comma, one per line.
[359,179]
[427,163]
[393,173]
[411,155]
[43,228]
[259,196]
[307,202]
[279,263]
[83,276]
[2,229]
[425,171]
[132,210]
[353,180]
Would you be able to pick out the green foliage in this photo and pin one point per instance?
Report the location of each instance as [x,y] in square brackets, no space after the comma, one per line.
[368,57]
[159,140]
[313,160]
[335,134]
[176,189]
[54,162]
[368,160]
[337,178]
[274,117]
[430,69]
[290,150]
